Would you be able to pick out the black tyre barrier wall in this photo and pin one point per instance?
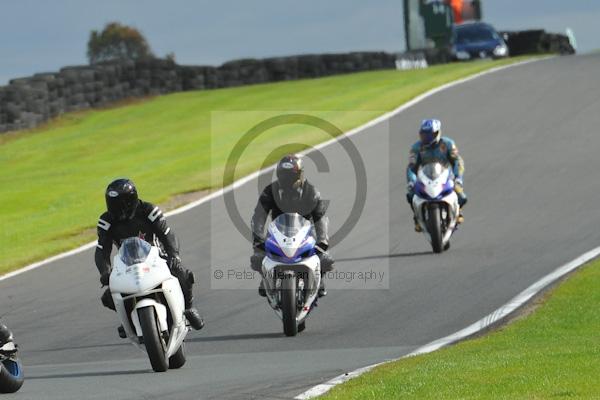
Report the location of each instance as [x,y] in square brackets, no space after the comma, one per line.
[537,41]
[27,102]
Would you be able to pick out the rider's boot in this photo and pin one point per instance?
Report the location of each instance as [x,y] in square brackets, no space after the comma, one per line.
[462,200]
[194,318]
[186,280]
[322,291]
[122,333]
[417,225]
[190,312]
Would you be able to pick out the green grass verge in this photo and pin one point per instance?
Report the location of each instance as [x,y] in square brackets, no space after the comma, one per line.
[552,353]
[52,178]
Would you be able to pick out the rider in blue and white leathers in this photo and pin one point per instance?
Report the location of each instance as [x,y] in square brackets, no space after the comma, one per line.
[432,147]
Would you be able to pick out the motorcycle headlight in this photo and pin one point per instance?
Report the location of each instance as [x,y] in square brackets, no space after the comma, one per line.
[463,55]
[501,51]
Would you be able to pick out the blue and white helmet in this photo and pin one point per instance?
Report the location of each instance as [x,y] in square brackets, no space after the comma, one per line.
[430,131]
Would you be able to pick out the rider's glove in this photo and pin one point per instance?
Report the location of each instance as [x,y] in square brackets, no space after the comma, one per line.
[258,245]
[104,278]
[322,246]
[174,263]
[410,186]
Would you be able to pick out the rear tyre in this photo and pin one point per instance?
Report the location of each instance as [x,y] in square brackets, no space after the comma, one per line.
[11,376]
[152,339]
[288,304]
[177,360]
[434,226]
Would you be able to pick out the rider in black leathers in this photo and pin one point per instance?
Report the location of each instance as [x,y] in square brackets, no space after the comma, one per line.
[128,216]
[291,193]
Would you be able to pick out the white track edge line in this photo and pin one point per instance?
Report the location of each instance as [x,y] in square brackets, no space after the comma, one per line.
[497,315]
[255,174]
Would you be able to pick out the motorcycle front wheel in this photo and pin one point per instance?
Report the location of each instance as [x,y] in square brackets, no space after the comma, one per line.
[289,304]
[152,339]
[11,375]
[434,227]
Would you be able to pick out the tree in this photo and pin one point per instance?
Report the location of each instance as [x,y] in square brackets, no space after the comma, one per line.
[117,41]
[170,56]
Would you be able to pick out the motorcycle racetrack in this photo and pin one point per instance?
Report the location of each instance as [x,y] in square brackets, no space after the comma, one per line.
[530,141]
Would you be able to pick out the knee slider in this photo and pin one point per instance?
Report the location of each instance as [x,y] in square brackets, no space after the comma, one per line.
[190,277]
[107,300]
[326,262]
[256,262]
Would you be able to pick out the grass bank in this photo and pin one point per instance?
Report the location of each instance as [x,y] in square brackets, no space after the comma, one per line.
[552,353]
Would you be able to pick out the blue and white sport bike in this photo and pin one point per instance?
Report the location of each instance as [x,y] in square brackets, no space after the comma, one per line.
[291,270]
[435,204]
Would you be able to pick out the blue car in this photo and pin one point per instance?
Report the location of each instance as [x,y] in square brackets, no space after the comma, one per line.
[474,40]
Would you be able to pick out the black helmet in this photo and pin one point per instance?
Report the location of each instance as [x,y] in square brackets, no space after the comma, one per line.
[121,199]
[5,335]
[290,173]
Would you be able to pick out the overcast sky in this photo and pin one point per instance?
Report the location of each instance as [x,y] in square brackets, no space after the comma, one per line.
[40,36]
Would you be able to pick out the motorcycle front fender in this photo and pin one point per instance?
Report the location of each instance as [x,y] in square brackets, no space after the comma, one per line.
[161,312]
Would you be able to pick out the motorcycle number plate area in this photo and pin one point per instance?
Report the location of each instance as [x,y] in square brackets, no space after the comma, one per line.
[137,269]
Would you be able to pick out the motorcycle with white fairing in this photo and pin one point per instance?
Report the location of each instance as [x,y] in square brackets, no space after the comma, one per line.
[435,204]
[291,270]
[150,303]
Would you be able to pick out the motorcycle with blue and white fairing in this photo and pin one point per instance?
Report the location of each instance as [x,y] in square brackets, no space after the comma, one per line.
[149,303]
[291,270]
[435,204]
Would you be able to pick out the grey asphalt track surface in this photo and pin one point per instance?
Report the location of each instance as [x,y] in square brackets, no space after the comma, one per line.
[530,139]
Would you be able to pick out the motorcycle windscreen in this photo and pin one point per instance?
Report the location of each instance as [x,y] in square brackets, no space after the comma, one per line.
[433,170]
[134,250]
[290,224]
